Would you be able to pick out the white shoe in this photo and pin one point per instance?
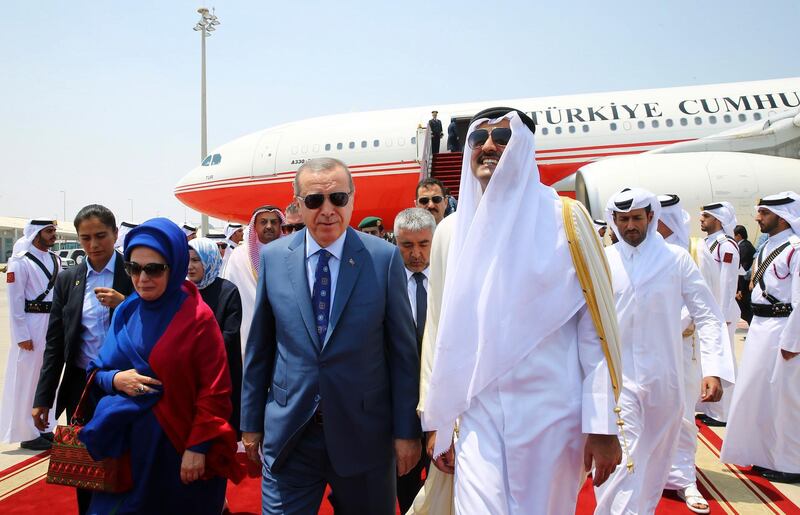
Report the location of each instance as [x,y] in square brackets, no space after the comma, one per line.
[693,497]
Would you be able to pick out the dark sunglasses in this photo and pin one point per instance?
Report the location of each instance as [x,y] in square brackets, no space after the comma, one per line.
[290,228]
[500,136]
[154,270]
[436,199]
[315,200]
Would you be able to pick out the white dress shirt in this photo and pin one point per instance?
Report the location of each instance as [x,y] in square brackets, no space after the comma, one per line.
[411,287]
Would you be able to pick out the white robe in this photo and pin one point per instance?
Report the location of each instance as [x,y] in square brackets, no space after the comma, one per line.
[652,399]
[23,367]
[720,269]
[765,412]
[239,271]
[534,418]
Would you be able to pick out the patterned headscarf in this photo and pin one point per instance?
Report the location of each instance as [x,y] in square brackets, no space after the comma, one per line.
[251,236]
[208,252]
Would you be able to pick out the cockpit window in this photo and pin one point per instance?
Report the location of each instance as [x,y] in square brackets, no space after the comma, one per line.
[216,160]
[207,161]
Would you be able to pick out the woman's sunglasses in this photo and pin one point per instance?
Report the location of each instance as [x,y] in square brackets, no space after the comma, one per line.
[500,136]
[290,228]
[436,199]
[315,200]
[154,270]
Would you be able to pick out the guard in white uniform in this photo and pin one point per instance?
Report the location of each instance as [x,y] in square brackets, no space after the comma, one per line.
[765,412]
[652,281]
[719,263]
[30,279]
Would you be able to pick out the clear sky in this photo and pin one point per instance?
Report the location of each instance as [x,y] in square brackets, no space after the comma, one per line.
[101,100]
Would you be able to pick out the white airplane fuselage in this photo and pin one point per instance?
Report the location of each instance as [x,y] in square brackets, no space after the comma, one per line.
[382,148]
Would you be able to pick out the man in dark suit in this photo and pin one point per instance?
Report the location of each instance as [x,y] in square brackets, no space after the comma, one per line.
[83,302]
[747,252]
[331,368]
[435,127]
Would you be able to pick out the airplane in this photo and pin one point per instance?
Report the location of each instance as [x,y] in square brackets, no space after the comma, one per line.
[734,141]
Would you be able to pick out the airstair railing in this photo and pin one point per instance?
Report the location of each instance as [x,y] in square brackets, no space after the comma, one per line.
[424,155]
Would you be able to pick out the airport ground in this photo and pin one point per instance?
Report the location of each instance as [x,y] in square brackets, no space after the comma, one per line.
[730,489]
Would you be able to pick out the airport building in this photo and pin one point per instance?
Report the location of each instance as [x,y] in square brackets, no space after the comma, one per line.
[11,228]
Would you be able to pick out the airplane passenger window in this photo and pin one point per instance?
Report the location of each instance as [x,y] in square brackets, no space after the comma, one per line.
[698,120]
[363,143]
[572,129]
[756,116]
[376,143]
[712,119]
[304,149]
[626,125]
[558,130]
[216,160]
[352,145]
[742,117]
[401,141]
[585,128]
[684,122]
[207,160]
[640,124]
[339,146]
[654,123]
[294,149]
[327,146]
[727,118]
[613,126]
[669,122]
[413,140]
[316,147]
[388,142]
[544,131]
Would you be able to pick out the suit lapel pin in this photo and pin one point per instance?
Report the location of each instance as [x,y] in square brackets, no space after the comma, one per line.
[352,263]
[77,283]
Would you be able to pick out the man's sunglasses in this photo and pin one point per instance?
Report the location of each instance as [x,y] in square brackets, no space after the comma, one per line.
[436,199]
[154,270]
[290,228]
[500,136]
[315,200]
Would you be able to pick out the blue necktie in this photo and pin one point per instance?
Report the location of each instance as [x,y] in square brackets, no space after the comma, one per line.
[422,305]
[321,296]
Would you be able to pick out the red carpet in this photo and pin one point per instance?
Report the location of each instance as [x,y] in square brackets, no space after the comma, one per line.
[245,498]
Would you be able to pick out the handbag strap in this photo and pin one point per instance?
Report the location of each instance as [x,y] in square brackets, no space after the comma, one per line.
[77,417]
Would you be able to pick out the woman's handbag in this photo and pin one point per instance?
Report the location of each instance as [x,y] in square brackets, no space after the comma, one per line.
[71,464]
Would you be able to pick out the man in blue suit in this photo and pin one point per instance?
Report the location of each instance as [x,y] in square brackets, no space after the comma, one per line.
[331,369]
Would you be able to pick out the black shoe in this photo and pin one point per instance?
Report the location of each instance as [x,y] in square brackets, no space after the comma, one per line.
[37,444]
[48,436]
[781,477]
[711,422]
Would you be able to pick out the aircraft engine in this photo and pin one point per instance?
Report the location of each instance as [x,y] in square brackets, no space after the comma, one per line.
[698,178]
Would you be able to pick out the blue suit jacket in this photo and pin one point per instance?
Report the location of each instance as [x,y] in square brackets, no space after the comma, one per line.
[365,379]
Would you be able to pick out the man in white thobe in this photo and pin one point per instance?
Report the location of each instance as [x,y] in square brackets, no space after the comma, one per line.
[124,229]
[30,280]
[244,263]
[517,358]
[718,260]
[673,225]
[765,411]
[652,281]
[234,233]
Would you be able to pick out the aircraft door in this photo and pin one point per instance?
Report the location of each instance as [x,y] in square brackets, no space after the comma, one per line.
[266,154]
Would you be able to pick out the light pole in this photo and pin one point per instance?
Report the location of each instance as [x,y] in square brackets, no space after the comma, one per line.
[64,193]
[205,26]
